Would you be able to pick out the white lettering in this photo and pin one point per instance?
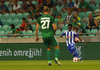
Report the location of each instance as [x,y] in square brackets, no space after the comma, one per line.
[29,53]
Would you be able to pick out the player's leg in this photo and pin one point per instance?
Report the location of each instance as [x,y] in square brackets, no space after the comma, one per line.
[55,44]
[47,44]
[57,52]
[74,52]
[49,55]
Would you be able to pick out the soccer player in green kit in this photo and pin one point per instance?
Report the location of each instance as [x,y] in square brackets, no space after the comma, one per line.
[48,26]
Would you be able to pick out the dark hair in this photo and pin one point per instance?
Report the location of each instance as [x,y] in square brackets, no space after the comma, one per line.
[54,6]
[45,8]
[99,3]
[75,17]
[30,0]
[24,1]
[17,29]
[13,26]
[2,1]
[37,11]
[26,21]
[75,28]
[24,18]
[15,2]
[70,25]
[31,6]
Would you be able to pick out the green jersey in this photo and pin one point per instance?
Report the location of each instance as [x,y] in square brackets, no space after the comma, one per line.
[12,31]
[82,6]
[81,28]
[45,21]
[33,12]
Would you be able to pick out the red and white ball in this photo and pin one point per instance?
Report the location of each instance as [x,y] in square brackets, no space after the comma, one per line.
[75,59]
[77,39]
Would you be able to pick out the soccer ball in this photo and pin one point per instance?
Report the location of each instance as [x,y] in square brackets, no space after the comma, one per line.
[77,39]
[75,59]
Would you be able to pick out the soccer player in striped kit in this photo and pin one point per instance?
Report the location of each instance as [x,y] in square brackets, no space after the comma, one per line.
[70,41]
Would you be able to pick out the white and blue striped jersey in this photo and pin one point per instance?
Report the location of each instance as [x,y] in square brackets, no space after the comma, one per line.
[70,36]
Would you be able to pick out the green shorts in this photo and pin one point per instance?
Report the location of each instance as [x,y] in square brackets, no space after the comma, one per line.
[50,41]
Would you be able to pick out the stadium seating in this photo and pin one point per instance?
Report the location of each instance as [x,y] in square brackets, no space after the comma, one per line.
[41,13]
[8,29]
[64,14]
[99,26]
[0,26]
[56,21]
[17,26]
[65,27]
[5,26]
[0,16]
[19,23]
[6,3]
[10,9]
[13,23]
[3,20]
[1,33]
[59,27]
[33,21]
[28,32]
[9,17]
[58,32]
[19,2]
[3,17]
[8,20]
[23,32]
[19,14]
[16,19]
[2,29]
[6,15]
[86,14]
[97,2]
[92,31]
[58,8]
[6,23]
[25,14]
[88,0]
[12,14]
[80,15]
[34,27]
[34,2]
[84,24]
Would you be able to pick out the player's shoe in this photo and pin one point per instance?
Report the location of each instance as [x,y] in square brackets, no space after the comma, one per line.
[49,63]
[57,62]
[81,60]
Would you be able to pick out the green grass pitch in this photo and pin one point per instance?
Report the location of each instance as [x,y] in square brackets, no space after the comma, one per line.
[42,65]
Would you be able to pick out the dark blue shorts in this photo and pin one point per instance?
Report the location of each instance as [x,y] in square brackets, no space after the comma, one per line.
[71,48]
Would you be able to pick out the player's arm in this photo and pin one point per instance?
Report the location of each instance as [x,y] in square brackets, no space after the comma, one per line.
[80,38]
[54,27]
[53,24]
[64,33]
[37,27]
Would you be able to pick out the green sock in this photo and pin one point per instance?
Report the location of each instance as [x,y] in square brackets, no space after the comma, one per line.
[49,55]
[57,54]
